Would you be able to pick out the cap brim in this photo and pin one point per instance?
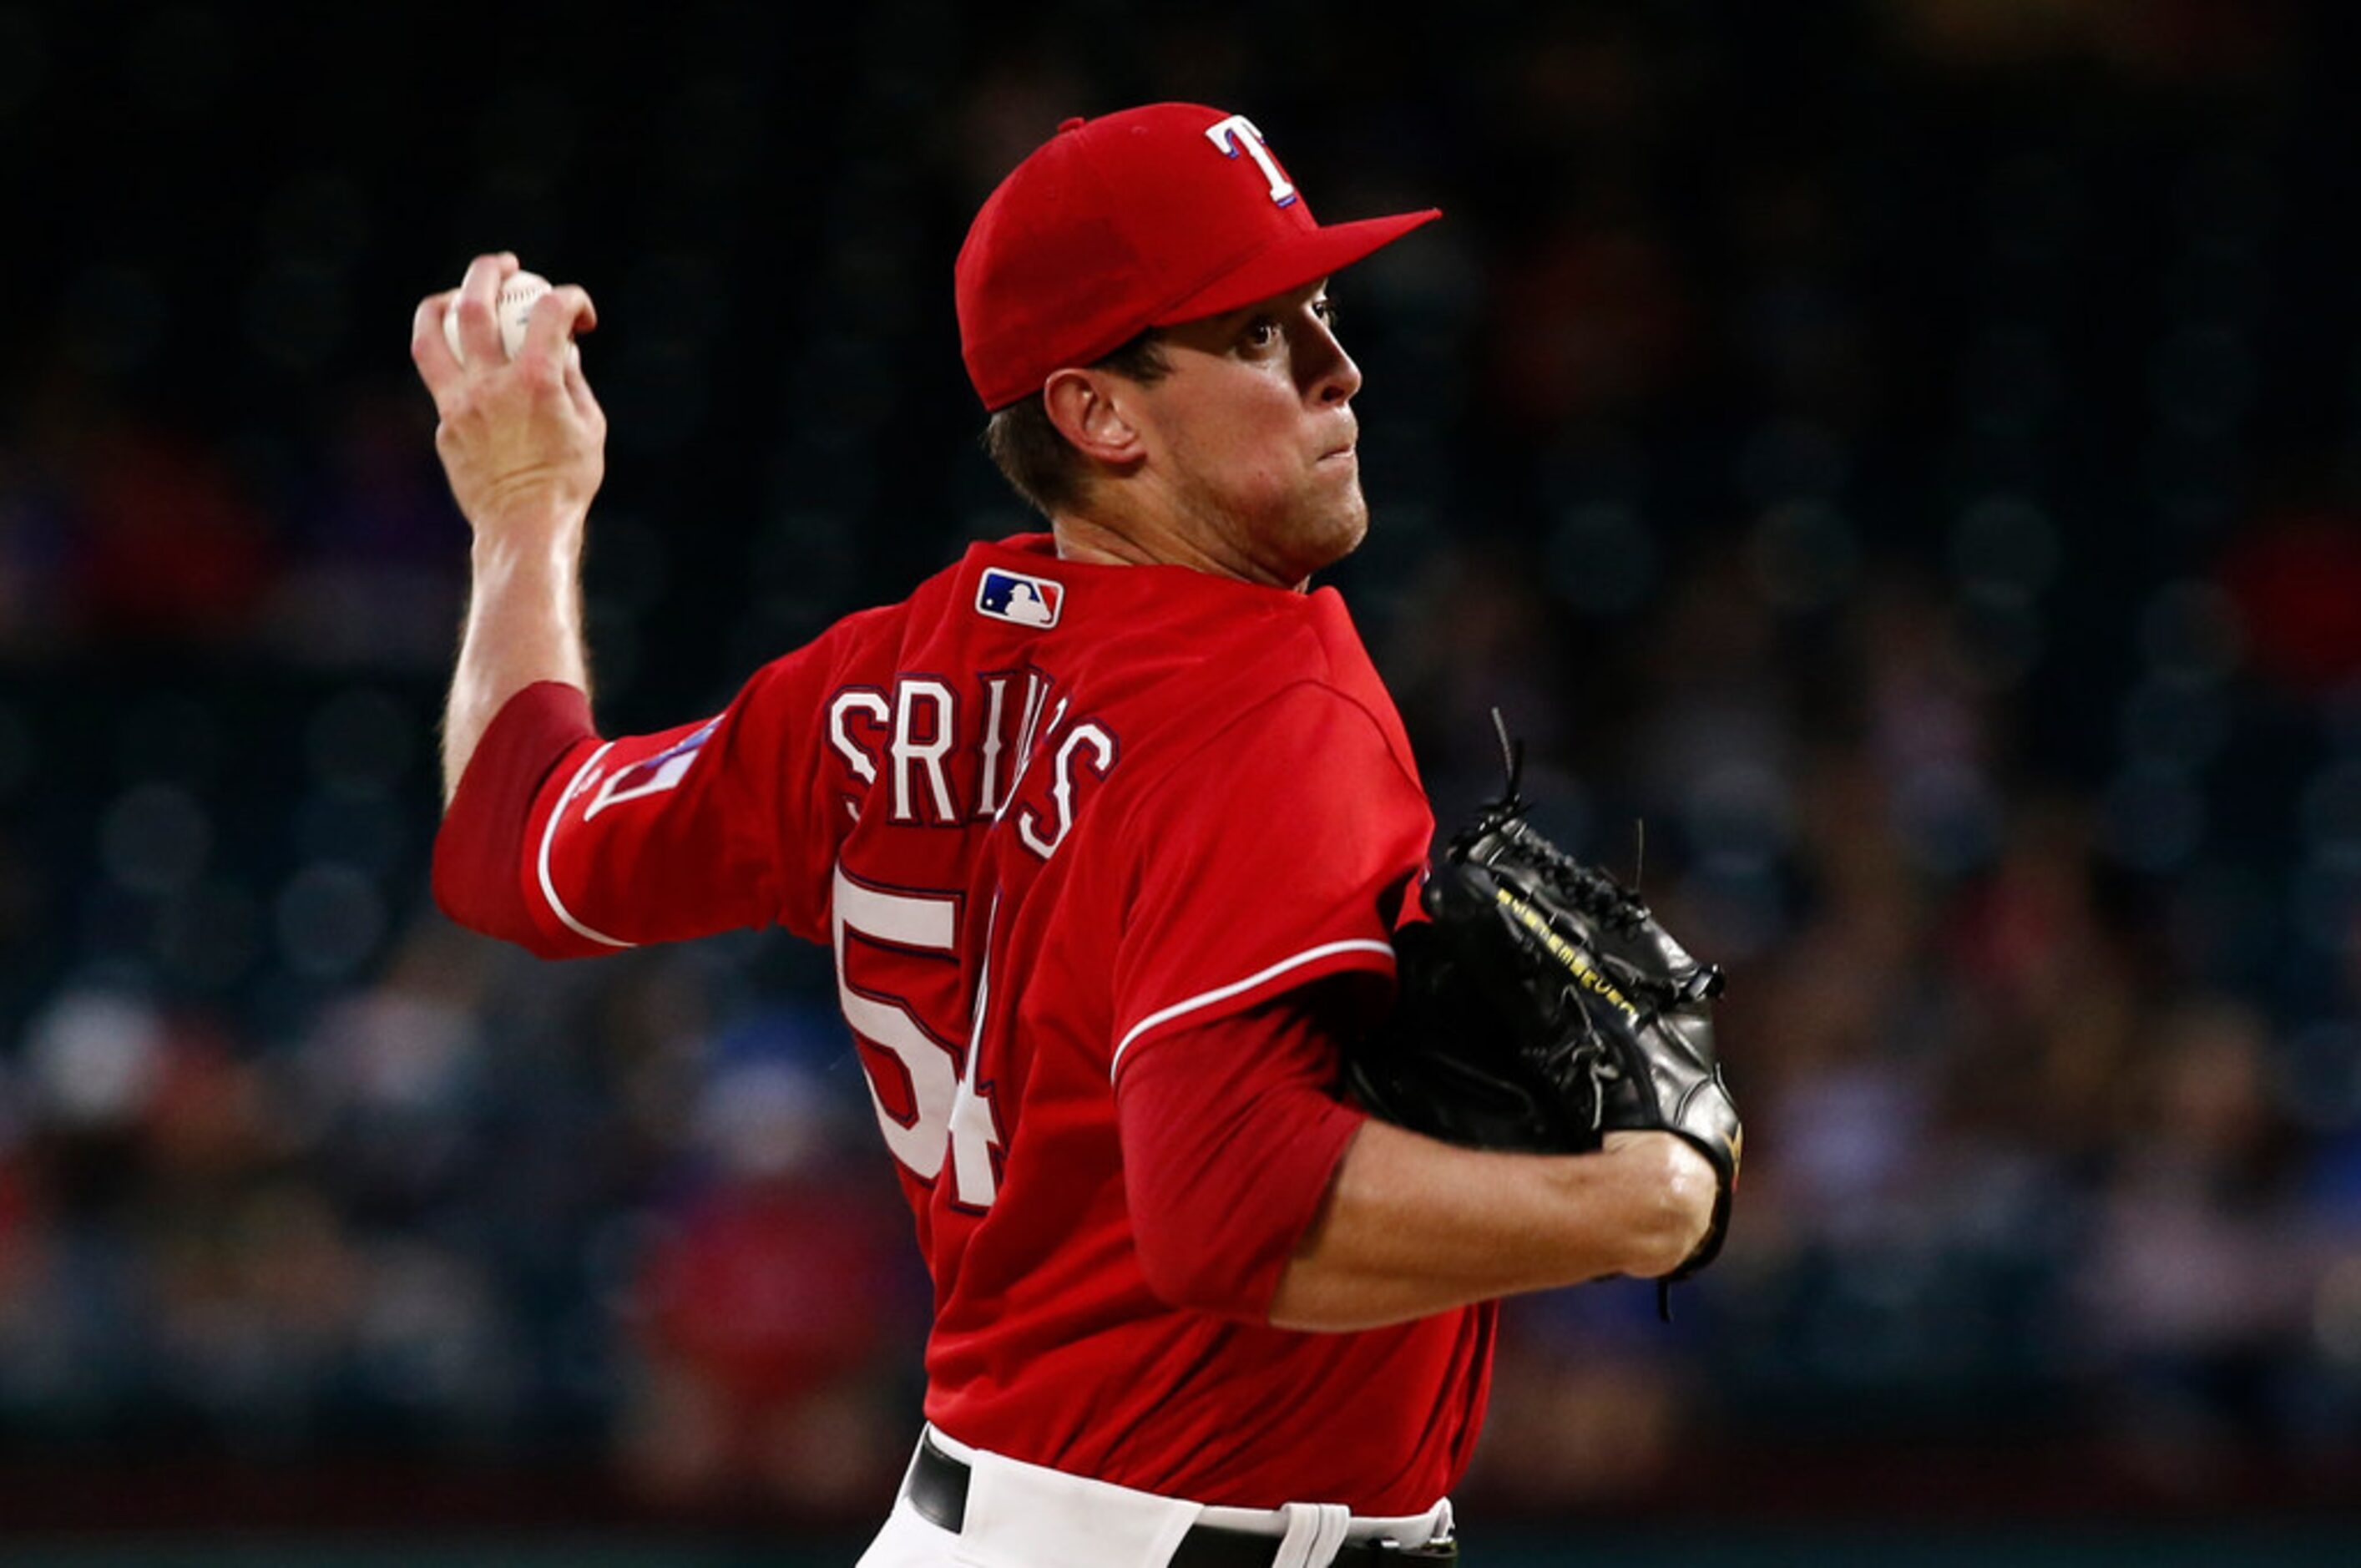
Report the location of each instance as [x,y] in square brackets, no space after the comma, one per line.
[1304,257]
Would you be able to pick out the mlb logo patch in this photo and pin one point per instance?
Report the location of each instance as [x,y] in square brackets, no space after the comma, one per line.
[1013,596]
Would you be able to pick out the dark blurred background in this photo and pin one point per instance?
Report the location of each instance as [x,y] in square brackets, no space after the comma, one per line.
[1905,450]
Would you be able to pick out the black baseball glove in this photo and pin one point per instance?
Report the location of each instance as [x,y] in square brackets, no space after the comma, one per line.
[1542,1007]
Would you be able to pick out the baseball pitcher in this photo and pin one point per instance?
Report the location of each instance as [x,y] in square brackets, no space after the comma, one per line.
[1115,837]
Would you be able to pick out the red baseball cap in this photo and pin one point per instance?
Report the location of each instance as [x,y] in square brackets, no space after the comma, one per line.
[1139,219]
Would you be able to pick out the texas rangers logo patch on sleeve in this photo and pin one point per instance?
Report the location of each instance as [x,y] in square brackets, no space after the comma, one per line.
[652,775]
[1013,596]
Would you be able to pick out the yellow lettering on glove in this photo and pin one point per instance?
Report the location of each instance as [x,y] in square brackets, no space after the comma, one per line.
[1565,952]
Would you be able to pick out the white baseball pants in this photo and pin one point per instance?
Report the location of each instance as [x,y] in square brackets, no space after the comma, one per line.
[1023,1516]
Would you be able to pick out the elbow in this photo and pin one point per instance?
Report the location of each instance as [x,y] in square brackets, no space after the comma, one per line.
[476,897]
[516,933]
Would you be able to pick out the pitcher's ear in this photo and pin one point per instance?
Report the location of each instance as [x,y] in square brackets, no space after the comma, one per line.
[1092,409]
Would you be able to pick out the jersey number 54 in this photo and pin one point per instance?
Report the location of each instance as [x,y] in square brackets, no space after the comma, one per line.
[947,1116]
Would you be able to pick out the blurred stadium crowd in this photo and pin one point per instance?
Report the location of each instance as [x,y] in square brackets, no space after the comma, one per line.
[1905,451]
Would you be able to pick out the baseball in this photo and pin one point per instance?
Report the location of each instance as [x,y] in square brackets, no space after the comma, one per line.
[513,309]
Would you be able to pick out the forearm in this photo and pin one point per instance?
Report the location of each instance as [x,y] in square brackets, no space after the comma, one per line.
[523,443]
[525,624]
[1411,1226]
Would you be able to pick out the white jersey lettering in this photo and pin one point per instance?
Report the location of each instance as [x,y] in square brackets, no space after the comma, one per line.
[995,700]
[860,759]
[1061,790]
[912,754]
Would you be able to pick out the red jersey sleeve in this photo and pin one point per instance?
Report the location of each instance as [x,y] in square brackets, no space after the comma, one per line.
[1232,1133]
[1282,851]
[571,845]
[476,850]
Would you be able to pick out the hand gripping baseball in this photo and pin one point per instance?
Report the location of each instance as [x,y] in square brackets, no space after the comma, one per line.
[1541,1006]
[523,440]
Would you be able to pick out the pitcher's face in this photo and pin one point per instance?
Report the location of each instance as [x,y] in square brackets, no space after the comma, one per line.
[1252,434]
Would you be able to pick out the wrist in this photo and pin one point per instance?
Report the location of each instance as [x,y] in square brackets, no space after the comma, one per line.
[529,536]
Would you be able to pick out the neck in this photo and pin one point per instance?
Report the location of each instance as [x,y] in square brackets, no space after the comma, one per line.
[1115,540]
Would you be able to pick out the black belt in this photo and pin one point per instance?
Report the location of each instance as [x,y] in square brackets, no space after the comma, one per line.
[937,1489]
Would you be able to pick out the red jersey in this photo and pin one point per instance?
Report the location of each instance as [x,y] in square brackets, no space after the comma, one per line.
[1101,852]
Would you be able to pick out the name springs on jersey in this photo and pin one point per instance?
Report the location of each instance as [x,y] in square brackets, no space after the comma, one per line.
[908,736]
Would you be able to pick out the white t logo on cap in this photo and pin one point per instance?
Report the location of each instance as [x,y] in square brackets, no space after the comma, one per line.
[1236,135]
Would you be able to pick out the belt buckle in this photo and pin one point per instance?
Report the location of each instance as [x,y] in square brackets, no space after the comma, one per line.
[1444,1549]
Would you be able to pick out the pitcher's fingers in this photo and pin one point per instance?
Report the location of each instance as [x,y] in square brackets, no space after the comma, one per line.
[478,304]
[436,365]
[557,317]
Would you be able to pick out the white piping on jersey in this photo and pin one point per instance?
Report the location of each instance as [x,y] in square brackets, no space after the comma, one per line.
[549,836]
[1223,993]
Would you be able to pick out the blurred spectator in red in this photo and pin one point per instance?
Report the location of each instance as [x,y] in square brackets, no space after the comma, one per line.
[174,552]
[766,1314]
[2296,578]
